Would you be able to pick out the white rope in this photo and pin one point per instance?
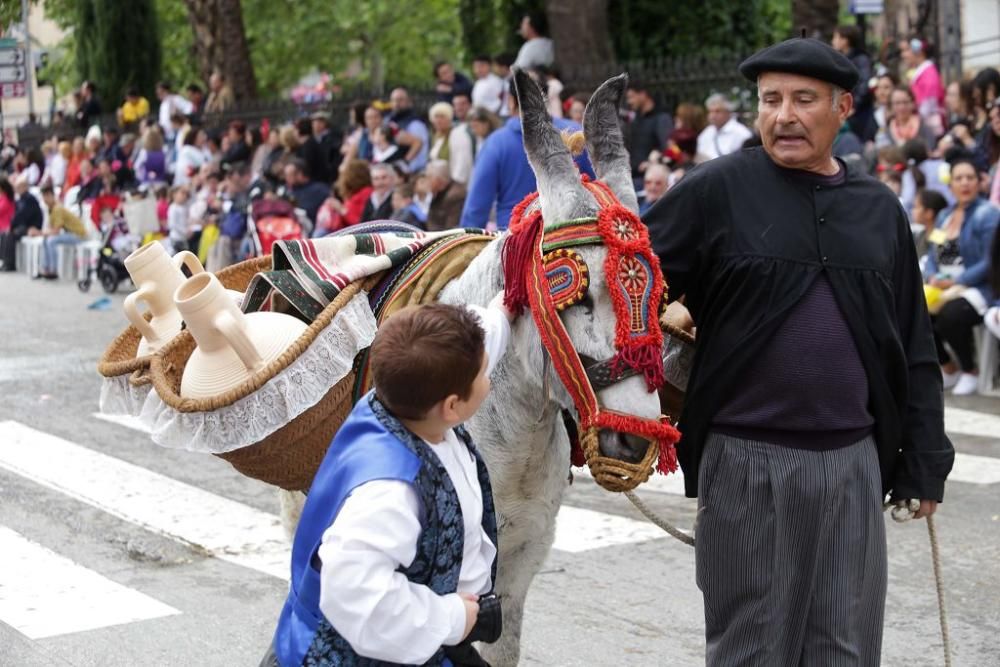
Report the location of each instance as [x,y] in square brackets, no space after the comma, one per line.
[903,511]
[657,520]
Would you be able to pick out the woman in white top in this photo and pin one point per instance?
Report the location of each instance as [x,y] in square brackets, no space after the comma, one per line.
[451,142]
[191,156]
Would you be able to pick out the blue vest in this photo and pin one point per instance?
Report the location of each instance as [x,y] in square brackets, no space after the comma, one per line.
[372,444]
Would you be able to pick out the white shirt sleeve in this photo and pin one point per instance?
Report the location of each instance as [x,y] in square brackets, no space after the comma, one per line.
[376,609]
[497,329]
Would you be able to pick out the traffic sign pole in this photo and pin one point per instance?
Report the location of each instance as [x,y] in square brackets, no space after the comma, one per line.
[27,58]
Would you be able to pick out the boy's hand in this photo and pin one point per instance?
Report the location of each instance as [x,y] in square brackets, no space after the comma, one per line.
[498,303]
[471,603]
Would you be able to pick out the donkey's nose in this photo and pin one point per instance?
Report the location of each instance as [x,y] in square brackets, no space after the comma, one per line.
[622,446]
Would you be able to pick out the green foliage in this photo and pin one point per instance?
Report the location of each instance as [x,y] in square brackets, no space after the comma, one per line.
[373,41]
[490,26]
[118,46]
[179,65]
[642,29]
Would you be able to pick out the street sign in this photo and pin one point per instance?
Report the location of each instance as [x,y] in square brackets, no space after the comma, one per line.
[9,90]
[13,74]
[11,57]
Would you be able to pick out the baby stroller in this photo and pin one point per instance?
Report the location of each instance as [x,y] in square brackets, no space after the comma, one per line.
[117,243]
[273,220]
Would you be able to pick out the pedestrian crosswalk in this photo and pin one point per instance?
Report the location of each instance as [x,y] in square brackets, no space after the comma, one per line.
[78,599]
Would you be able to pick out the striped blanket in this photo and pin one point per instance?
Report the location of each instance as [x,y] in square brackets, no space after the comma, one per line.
[307,275]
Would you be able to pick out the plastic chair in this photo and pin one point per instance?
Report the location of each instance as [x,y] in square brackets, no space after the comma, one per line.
[989,362]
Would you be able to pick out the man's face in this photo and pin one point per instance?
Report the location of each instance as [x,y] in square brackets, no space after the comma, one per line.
[381,180]
[446,73]
[318,127]
[480,68]
[49,199]
[399,100]
[797,119]
[655,183]
[633,98]
[525,29]
[461,105]
[718,114]
[215,82]
[161,92]
[291,175]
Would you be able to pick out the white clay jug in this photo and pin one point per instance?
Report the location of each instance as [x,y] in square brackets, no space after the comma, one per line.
[157,276]
[232,345]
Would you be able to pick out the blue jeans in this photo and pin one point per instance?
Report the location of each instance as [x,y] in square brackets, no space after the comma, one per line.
[50,255]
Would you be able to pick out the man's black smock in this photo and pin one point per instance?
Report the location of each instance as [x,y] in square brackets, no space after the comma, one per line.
[744,240]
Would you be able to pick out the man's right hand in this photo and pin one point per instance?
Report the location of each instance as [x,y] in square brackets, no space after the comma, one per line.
[471,603]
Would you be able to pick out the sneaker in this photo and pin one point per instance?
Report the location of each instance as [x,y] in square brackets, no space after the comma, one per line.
[966,385]
[950,379]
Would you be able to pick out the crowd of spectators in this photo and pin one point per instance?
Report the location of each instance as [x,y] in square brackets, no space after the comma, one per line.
[460,162]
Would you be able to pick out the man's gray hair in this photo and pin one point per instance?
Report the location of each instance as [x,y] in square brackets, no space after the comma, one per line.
[835,93]
[438,169]
[719,99]
[383,166]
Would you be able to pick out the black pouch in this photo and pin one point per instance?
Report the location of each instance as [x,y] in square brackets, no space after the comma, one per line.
[489,621]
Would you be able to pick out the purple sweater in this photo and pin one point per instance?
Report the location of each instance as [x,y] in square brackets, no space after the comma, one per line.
[808,389]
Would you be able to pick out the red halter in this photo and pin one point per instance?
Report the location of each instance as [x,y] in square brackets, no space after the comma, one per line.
[532,277]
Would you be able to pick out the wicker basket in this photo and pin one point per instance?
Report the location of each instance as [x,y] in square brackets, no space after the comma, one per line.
[290,456]
[120,359]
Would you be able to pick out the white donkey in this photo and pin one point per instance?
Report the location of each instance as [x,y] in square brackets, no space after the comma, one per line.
[519,429]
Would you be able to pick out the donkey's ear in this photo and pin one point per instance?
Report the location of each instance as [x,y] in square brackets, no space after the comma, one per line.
[555,171]
[605,143]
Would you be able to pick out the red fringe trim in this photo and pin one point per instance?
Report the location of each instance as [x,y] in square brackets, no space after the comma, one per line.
[518,252]
[659,431]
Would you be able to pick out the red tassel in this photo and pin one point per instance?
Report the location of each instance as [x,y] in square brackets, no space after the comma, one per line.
[666,462]
[645,359]
[576,455]
[518,251]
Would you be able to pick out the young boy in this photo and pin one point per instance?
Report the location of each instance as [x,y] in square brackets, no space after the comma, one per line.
[397,540]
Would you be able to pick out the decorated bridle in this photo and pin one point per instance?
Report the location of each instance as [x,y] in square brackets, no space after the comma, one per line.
[544,273]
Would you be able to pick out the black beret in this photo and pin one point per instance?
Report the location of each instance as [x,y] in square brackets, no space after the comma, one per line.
[805,56]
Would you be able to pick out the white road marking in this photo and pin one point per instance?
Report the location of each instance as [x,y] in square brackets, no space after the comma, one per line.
[43,594]
[223,528]
[974,469]
[580,529]
[971,422]
[128,421]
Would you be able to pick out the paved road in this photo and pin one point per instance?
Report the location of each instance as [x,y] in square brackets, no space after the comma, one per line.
[116,552]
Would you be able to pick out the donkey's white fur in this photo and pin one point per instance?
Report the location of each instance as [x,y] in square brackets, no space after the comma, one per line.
[519,429]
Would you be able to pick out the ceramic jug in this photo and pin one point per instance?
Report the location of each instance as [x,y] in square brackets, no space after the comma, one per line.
[232,345]
[157,276]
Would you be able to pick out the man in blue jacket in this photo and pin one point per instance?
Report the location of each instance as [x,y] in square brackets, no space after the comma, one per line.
[502,175]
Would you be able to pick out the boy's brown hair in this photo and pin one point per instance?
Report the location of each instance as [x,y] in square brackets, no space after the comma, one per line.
[422,355]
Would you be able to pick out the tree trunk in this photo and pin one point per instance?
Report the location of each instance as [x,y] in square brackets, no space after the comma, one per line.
[220,43]
[817,17]
[579,30]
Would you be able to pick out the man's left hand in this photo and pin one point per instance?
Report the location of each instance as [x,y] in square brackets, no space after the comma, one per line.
[927,508]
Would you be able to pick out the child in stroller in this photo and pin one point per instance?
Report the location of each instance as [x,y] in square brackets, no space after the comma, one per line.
[273,219]
[117,242]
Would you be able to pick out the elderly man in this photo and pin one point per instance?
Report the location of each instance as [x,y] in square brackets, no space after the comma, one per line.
[379,205]
[448,197]
[724,133]
[27,221]
[655,183]
[814,390]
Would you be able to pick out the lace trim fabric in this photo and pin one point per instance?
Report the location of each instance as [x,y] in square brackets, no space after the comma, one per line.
[120,397]
[284,397]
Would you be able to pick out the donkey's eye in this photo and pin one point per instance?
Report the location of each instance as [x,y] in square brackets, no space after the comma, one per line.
[587,302]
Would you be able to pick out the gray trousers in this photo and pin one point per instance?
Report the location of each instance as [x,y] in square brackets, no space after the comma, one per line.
[790,554]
